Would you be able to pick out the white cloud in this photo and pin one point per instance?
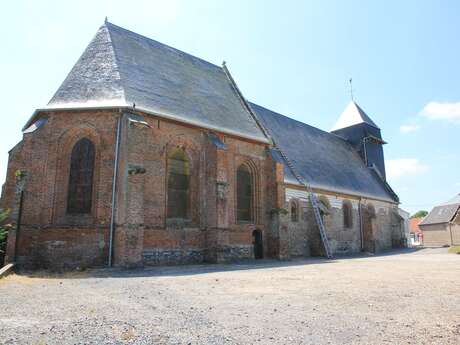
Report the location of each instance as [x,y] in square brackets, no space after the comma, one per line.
[409,128]
[442,111]
[404,166]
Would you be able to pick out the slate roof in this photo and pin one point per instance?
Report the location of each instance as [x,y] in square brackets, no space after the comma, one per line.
[443,213]
[324,160]
[353,115]
[122,68]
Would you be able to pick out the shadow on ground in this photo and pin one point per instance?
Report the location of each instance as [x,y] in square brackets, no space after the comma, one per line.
[198,269]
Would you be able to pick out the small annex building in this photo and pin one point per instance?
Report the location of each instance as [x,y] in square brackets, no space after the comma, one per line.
[147,155]
[441,227]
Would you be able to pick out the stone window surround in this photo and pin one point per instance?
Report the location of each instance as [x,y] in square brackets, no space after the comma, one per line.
[67,141]
[347,209]
[255,191]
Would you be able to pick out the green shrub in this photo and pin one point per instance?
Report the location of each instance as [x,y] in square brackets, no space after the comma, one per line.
[3,233]
[454,249]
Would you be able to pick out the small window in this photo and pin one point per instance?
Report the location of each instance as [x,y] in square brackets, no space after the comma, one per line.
[79,197]
[371,211]
[244,194]
[347,214]
[294,212]
[178,184]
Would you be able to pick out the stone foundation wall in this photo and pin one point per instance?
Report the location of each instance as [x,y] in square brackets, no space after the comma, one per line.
[154,257]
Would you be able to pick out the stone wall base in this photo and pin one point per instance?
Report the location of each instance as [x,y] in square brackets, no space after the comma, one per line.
[159,256]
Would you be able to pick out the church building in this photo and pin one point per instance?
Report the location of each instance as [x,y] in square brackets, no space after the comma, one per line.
[147,155]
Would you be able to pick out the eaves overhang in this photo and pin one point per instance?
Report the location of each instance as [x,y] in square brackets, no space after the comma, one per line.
[125,107]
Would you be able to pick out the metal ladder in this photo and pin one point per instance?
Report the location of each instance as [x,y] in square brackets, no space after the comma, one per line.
[314,204]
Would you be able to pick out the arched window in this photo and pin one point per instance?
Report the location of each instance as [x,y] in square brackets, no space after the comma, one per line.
[79,197]
[178,184]
[371,211]
[347,214]
[294,212]
[244,194]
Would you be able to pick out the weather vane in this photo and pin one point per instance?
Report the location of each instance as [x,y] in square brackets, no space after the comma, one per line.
[351,88]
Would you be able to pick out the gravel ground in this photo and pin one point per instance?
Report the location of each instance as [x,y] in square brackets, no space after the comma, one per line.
[399,298]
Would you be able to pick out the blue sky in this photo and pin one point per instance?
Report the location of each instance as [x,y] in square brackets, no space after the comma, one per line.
[295,57]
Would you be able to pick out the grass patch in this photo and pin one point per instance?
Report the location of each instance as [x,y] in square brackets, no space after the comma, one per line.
[454,250]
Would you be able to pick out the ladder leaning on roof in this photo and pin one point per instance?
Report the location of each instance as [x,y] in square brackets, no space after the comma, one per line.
[314,204]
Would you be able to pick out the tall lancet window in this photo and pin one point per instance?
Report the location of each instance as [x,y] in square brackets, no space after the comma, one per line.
[79,197]
[244,194]
[347,209]
[178,184]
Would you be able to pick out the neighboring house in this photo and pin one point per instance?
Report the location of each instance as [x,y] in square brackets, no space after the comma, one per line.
[416,235]
[148,155]
[441,227]
[405,228]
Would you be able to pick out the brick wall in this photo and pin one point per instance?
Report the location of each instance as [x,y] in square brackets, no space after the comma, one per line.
[48,237]
[143,233]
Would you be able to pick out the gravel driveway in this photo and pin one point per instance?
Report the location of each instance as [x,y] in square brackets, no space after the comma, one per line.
[399,298]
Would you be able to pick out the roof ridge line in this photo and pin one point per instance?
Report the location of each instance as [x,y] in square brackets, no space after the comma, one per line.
[163,44]
[245,103]
[116,59]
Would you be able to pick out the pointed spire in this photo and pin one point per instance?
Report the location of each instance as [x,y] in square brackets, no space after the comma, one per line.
[454,200]
[351,116]
[351,89]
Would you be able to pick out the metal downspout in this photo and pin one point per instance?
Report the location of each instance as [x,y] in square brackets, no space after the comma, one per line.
[360,212]
[114,183]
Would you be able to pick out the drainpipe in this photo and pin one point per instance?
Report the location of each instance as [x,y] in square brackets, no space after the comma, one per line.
[114,185]
[361,235]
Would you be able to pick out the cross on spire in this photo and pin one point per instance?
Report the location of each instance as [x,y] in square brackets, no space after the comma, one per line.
[351,89]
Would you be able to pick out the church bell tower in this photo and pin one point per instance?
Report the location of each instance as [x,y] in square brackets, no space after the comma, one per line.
[364,135]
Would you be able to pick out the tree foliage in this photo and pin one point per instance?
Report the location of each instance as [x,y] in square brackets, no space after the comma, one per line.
[3,233]
[420,214]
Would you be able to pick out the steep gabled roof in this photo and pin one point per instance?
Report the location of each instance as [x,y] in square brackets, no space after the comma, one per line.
[95,78]
[443,213]
[122,68]
[324,160]
[353,115]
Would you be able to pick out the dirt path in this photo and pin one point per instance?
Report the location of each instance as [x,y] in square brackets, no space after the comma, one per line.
[394,299]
